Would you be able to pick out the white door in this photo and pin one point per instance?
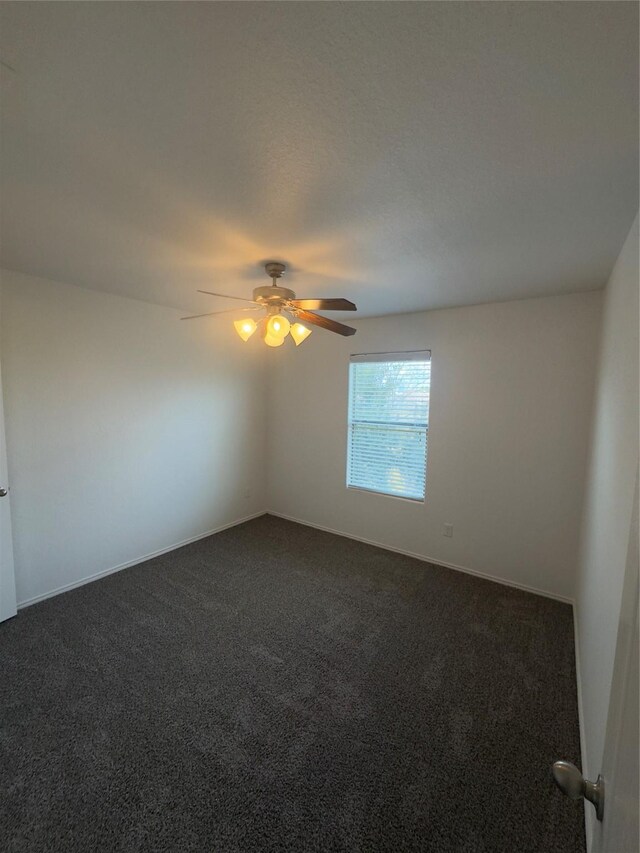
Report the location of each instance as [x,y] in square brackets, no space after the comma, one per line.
[619,830]
[7,578]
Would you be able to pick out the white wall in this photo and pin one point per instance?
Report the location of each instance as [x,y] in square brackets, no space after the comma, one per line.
[609,498]
[127,430]
[511,401]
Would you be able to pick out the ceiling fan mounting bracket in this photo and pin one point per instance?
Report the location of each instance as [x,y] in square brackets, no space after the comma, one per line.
[274,269]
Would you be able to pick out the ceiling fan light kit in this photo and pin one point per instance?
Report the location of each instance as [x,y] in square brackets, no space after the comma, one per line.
[278,301]
[278,326]
[299,333]
[270,341]
[245,328]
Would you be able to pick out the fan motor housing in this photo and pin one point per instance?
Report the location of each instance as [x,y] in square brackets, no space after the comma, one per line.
[270,295]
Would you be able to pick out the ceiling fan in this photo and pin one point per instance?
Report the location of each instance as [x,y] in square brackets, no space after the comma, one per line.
[278,301]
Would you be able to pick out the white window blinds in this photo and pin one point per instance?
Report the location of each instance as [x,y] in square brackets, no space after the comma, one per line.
[389,423]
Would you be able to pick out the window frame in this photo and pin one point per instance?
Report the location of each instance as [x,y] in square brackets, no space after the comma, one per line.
[384,358]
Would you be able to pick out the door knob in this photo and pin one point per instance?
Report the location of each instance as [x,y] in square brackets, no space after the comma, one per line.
[572,783]
[3,493]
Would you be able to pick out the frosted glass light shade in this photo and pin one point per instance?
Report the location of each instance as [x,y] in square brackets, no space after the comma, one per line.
[245,328]
[278,326]
[299,333]
[272,341]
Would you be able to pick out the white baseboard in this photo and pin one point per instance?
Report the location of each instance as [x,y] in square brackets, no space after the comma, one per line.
[135,562]
[425,559]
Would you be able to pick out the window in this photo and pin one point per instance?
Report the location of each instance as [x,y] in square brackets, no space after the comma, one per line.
[389,423]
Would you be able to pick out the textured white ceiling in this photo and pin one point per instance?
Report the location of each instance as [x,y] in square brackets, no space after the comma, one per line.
[405,156]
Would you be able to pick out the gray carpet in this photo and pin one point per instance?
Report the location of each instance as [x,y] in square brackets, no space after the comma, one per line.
[278,688]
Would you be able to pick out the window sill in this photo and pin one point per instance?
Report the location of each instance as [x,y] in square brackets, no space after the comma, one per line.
[386,495]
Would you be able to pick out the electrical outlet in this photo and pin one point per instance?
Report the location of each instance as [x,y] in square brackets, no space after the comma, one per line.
[447,530]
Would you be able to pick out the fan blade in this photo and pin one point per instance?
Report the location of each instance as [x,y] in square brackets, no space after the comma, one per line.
[324,304]
[324,322]
[213,313]
[226,296]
